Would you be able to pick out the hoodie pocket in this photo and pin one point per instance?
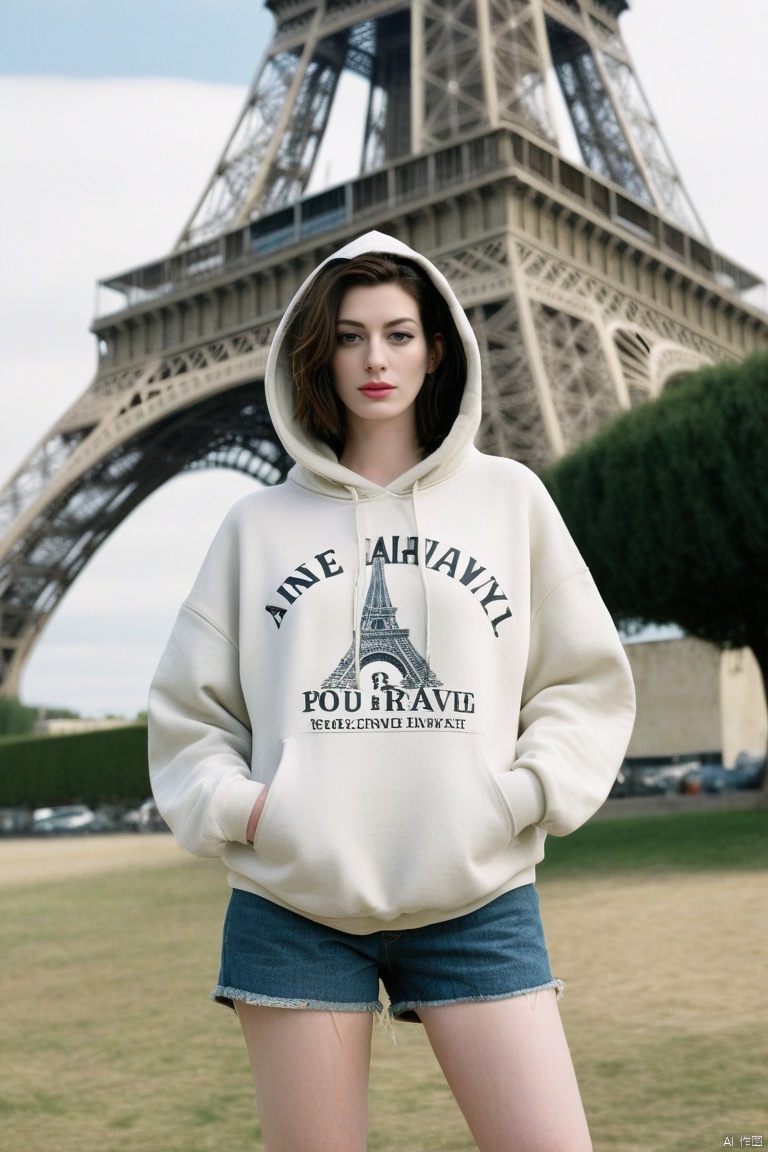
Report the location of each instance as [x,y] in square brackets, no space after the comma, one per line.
[372,824]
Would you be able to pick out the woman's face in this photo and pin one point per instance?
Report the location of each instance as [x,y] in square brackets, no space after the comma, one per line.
[381,354]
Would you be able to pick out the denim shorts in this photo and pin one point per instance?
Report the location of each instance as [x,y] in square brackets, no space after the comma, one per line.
[277,958]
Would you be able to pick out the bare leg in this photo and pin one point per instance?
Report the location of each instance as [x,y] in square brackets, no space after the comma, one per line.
[508,1065]
[310,1069]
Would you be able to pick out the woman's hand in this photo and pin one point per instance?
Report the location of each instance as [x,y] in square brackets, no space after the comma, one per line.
[253,819]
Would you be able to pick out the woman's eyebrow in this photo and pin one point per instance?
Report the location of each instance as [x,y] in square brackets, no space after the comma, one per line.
[389,323]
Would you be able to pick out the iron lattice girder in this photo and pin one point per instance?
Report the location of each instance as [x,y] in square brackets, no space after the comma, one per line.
[665,181]
[244,154]
[231,429]
[295,156]
[517,83]
[388,118]
[472,65]
[37,471]
[512,422]
[452,73]
[599,133]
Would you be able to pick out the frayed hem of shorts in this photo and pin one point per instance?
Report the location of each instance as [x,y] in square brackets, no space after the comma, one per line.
[227,997]
[406,1010]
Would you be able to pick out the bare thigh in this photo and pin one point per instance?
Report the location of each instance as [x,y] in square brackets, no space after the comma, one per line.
[310,1069]
[508,1065]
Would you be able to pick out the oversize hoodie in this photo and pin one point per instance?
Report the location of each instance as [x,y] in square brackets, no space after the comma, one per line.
[424,675]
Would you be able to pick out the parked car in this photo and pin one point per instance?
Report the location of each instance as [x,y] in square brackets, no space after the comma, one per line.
[66,818]
[747,771]
[145,818]
[663,778]
[712,778]
[15,821]
[106,818]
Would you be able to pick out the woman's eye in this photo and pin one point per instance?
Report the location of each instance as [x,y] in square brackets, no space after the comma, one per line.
[347,337]
[401,337]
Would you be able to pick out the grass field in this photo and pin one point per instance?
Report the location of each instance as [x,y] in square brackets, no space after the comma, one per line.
[657,925]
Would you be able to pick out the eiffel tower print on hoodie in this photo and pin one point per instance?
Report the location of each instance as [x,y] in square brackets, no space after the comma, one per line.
[381,639]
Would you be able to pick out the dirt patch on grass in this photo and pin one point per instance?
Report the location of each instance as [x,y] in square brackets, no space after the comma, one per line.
[67,858]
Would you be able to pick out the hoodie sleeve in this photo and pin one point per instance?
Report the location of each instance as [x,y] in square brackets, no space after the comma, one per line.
[578,702]
[199,728]
[577,711]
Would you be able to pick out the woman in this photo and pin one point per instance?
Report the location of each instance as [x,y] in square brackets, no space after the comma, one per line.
[393,677]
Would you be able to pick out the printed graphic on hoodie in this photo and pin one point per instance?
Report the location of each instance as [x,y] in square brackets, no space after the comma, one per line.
[408,695]
[396,550]
[381,639]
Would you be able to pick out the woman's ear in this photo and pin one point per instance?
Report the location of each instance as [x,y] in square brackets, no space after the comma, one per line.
[437,352]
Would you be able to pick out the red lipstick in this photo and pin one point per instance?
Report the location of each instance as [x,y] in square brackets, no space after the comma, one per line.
[377,389]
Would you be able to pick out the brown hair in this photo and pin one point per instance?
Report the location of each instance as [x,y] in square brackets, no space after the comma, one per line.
[311,340]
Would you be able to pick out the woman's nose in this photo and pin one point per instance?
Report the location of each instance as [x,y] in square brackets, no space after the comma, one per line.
[376,357]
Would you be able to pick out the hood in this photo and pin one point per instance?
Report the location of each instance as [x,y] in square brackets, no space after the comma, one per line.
[318,466]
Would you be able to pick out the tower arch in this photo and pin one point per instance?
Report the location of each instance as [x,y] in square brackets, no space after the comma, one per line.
[229,430]
[671,362]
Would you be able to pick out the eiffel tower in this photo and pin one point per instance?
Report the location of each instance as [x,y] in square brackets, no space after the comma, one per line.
[588,278]
[381,639]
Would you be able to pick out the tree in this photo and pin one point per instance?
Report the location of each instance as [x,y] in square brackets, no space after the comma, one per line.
[669,507]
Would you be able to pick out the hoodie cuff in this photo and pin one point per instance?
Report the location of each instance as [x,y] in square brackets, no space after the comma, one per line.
[525,797]
[235,806]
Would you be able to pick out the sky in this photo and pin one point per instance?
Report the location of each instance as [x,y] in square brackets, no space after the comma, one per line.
[112,116]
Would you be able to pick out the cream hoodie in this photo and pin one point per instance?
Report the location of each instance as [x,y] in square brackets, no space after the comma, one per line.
[424,674]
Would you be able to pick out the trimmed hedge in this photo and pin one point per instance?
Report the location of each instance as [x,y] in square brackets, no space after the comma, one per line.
[84,767]
[16,719]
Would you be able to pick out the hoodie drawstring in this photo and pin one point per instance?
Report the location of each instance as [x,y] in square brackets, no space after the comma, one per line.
[357,609]
[422,563]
